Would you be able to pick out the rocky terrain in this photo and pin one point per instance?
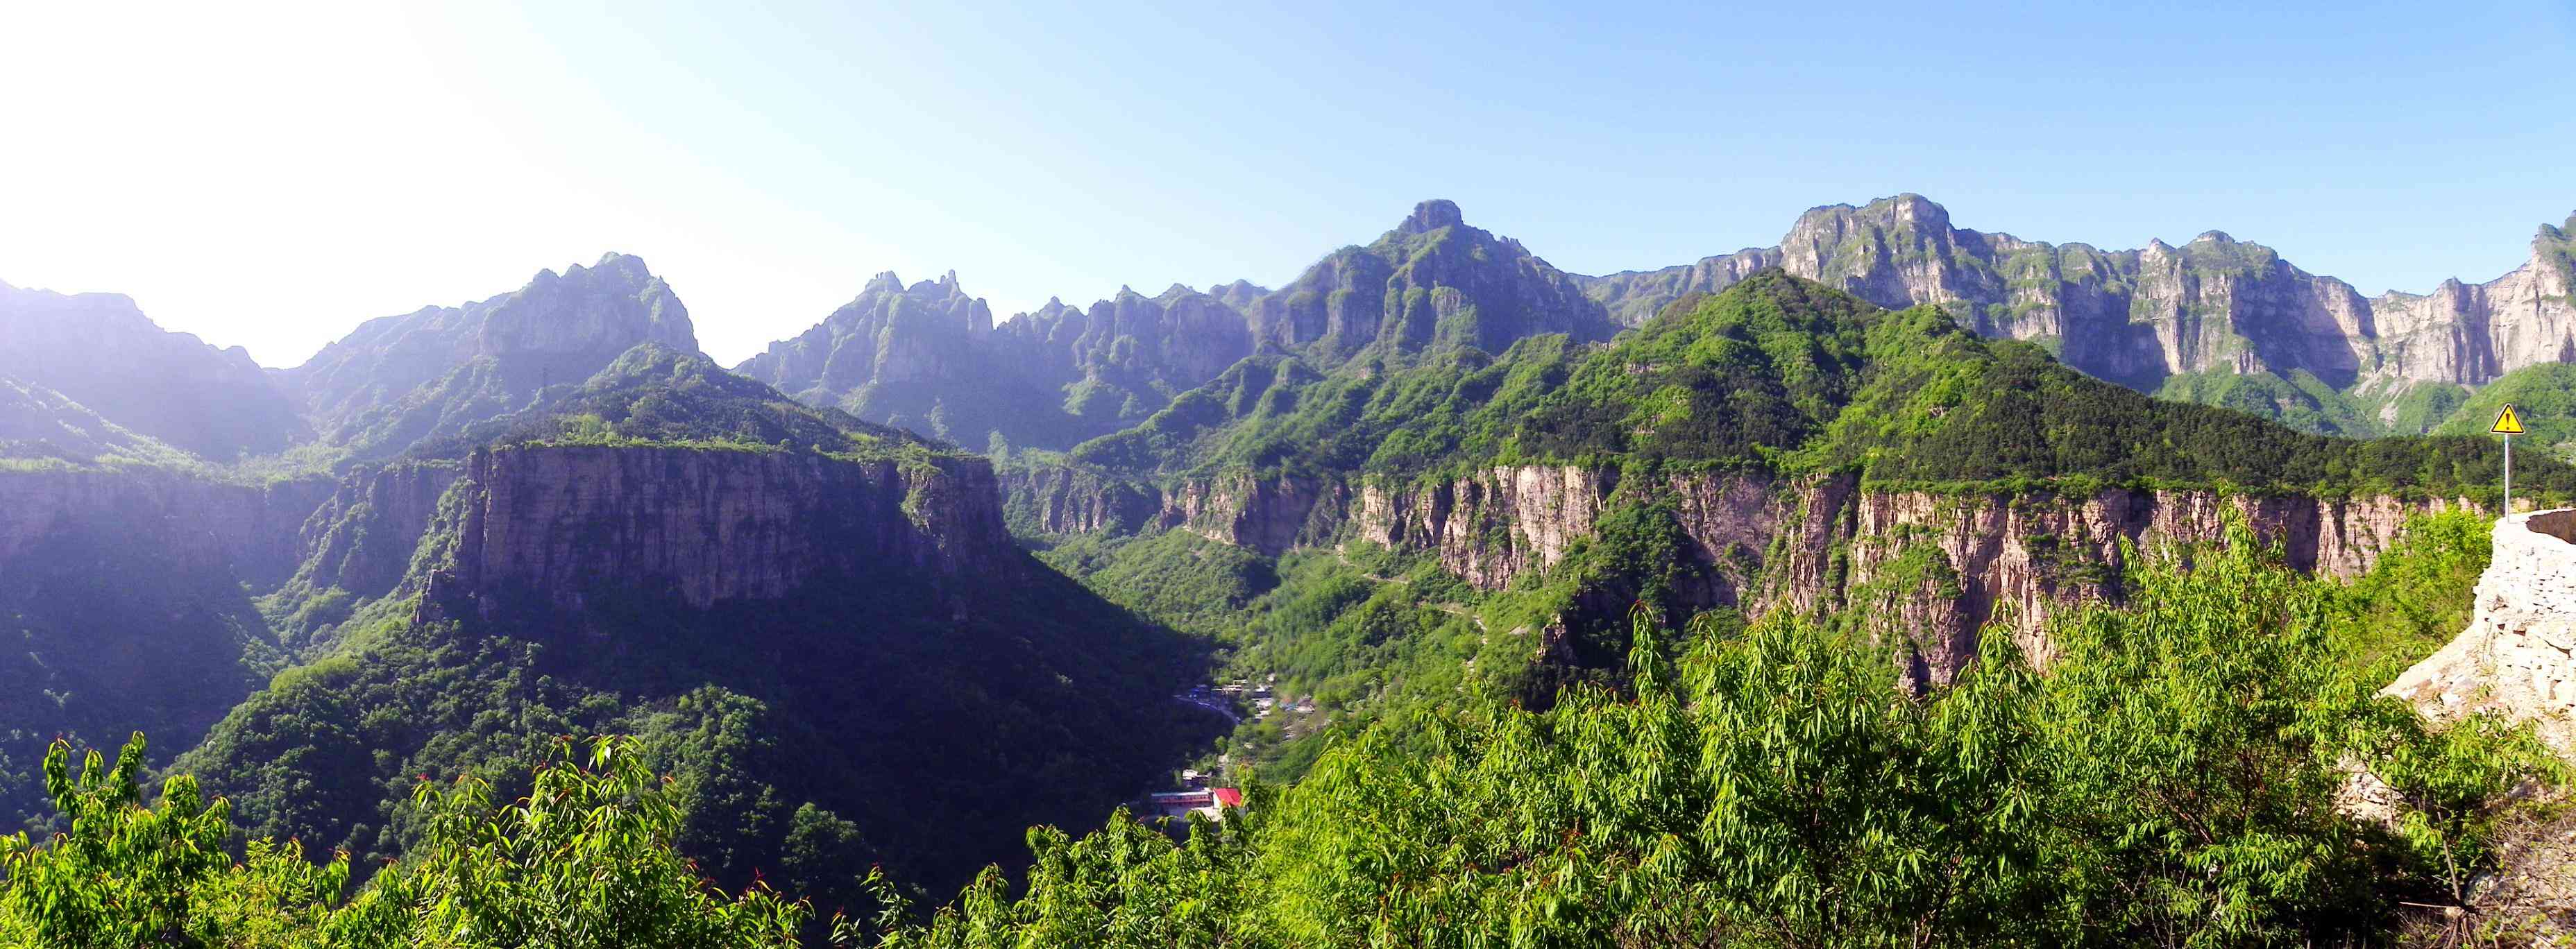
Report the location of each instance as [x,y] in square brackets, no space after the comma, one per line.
[2518,656]
[713,525]
[2142,317]
[1753,542]
[931,358]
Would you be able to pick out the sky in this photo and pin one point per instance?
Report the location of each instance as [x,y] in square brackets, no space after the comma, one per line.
[270,175]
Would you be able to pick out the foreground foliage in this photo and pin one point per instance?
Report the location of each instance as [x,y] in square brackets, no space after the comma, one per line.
[584,860]
[2172,779]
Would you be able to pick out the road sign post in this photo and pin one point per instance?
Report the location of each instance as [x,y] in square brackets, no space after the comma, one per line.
[2508,425]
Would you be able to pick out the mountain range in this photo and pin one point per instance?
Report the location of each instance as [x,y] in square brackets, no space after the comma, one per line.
[2215,320]
[1431,465]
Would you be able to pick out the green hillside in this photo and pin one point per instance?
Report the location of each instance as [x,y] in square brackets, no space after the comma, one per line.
[872,716]
[2543,396]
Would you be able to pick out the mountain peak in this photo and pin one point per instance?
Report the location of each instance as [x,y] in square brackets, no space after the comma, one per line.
[1917,208]
[1432,215]
[885,280]
[2220,237]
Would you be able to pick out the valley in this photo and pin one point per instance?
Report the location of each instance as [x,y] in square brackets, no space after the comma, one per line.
[887,595]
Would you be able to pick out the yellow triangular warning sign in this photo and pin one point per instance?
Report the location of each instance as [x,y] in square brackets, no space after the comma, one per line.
[2507,423]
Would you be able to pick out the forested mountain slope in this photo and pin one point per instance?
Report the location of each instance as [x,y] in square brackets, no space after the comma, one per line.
[1780,444]
[793,607]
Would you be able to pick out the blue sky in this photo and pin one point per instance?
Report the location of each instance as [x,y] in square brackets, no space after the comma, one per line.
[272,177]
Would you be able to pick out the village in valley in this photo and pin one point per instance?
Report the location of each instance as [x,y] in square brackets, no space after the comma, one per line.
[1199,790]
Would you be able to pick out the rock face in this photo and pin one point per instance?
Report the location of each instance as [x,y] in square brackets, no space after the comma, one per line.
[1756,544]
[2518,656]
[929,358]
[361,539]
[710,526]
[400,379]
[245,531]
[891,335]
[2140,316]
[100,351]
[1060,499]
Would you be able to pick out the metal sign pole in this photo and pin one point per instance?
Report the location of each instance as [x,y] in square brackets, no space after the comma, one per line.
[2508,425]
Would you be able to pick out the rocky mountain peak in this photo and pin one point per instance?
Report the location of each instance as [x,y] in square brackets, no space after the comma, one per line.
[1432,215]
[2216,237]
[589,314]
[1916,209]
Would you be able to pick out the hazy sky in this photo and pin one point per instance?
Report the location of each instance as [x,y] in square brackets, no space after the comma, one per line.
[269,176]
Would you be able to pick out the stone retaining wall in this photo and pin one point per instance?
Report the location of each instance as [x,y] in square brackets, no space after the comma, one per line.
[2518,656]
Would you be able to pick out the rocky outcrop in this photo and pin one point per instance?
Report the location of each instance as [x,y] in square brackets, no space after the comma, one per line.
[99,350]
[2518,656]
[1062,374]
[710,526]
[928,357]
[1490,526]
[889,334]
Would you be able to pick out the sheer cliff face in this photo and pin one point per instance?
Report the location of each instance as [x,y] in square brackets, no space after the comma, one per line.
[711,526]
[248,532]
[1759,544]
[444,367]
[2139,316]
[99,350]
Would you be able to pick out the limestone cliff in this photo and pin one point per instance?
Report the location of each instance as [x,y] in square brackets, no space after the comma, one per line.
[1064,499]
[1759,544]
[2141,316]
[361,539]
[710,526]
[243,530]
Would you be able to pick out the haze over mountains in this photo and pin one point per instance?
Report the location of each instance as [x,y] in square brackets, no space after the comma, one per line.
[2214,320]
